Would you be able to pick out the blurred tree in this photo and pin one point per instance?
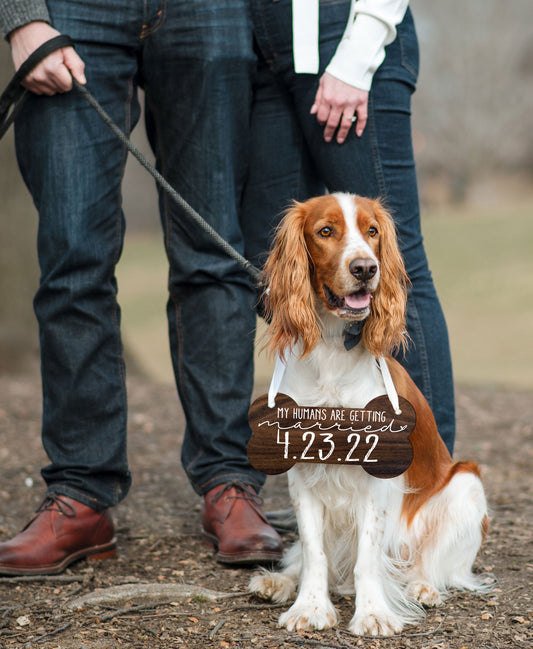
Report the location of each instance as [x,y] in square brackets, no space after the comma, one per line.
[473,106]
[18,262]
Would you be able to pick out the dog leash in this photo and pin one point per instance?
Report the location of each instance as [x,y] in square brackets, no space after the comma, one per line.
[15,95]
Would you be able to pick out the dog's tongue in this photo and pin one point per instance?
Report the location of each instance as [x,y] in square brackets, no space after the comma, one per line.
[359,300]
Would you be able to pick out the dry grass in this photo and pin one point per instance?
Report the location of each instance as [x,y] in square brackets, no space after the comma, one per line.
[481,262]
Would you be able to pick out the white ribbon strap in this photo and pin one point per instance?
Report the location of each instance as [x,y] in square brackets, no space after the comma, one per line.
[389,385]
[281,366]
[277,377]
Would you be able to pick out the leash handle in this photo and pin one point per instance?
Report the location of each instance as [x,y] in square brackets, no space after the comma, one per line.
[15,94]
[33,60]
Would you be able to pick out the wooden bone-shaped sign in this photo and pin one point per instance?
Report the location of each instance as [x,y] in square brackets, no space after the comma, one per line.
[373,437]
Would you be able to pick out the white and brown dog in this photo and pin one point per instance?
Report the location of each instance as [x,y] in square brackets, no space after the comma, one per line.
[396,543]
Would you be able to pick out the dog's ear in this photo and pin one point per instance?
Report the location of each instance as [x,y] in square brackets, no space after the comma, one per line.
[385,328]
[289,297]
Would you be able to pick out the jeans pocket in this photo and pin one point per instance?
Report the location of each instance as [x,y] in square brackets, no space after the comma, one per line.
[408,43]
[401,56]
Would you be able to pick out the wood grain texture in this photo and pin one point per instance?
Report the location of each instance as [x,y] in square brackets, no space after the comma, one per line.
[373,437]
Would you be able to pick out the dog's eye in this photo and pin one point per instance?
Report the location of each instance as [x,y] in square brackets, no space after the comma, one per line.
[372,231]
[326,232]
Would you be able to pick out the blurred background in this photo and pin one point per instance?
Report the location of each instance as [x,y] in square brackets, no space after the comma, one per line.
[473,138]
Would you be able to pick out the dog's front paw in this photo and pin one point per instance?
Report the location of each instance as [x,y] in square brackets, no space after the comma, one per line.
[309,615]
[274,586]
[424,593]
[384,623]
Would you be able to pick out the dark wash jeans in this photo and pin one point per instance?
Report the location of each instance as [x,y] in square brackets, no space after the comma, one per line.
[291,160]
[194,59]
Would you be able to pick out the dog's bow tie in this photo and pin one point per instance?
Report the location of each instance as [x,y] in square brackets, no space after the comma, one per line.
[352,334]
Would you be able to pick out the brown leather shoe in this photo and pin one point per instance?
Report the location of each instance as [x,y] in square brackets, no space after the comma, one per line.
[233,520]
[62,531]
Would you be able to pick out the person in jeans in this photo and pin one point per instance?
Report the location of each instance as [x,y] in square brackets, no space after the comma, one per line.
[332,111]
[194,60]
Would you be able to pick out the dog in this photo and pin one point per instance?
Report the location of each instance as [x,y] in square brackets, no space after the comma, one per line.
[401,543]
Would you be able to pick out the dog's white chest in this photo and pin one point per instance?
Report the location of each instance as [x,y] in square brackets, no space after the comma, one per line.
[332,376]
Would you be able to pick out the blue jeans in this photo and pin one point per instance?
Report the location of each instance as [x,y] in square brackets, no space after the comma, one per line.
[291,160]
[194,59]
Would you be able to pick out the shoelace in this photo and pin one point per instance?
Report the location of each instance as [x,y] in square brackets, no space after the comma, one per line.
[53,502]
[244,491]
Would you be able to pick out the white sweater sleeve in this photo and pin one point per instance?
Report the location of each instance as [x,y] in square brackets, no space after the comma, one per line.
[371,26]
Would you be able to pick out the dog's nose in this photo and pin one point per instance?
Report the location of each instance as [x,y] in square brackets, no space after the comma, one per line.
[363,269]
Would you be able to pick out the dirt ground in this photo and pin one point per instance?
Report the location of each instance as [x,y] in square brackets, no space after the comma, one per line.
[160,544]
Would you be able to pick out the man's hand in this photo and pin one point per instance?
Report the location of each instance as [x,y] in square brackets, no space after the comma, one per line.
[336,103]
[52,74]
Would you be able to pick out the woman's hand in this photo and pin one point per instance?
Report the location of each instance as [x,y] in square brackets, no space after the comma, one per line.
[336,103]
[52,74]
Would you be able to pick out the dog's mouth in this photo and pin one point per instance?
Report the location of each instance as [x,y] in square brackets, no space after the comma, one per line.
[356,303]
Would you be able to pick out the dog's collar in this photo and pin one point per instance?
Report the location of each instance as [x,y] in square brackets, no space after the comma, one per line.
[353,333]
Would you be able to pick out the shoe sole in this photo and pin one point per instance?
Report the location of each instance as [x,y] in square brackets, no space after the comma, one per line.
[96,553]
[242,558]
